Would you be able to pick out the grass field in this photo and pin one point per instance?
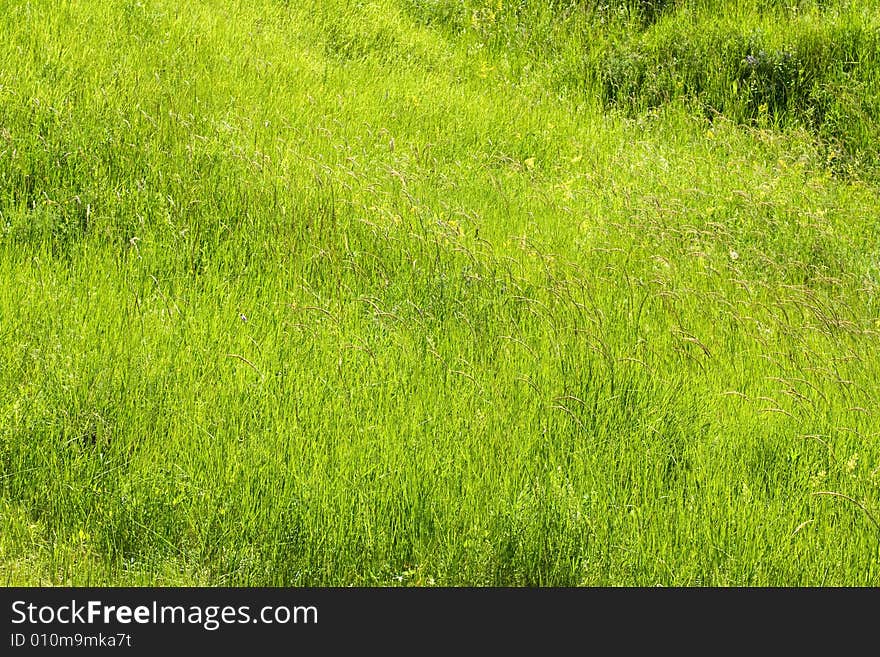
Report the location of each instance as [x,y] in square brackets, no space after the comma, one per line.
[423,292]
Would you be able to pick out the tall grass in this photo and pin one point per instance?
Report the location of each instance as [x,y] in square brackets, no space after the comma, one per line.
[434,293]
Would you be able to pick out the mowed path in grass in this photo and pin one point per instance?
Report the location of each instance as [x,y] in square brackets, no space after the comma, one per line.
[435,293]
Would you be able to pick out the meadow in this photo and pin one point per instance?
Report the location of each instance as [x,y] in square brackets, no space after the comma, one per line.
[434,293]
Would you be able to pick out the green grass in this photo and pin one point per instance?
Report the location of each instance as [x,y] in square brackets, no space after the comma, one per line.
[426,292]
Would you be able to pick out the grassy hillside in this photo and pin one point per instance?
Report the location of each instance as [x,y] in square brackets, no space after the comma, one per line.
[427,292]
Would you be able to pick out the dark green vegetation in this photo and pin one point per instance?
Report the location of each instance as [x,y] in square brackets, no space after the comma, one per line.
[432,292]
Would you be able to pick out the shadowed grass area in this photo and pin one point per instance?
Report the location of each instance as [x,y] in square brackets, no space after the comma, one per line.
[435,293]
[820,72]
